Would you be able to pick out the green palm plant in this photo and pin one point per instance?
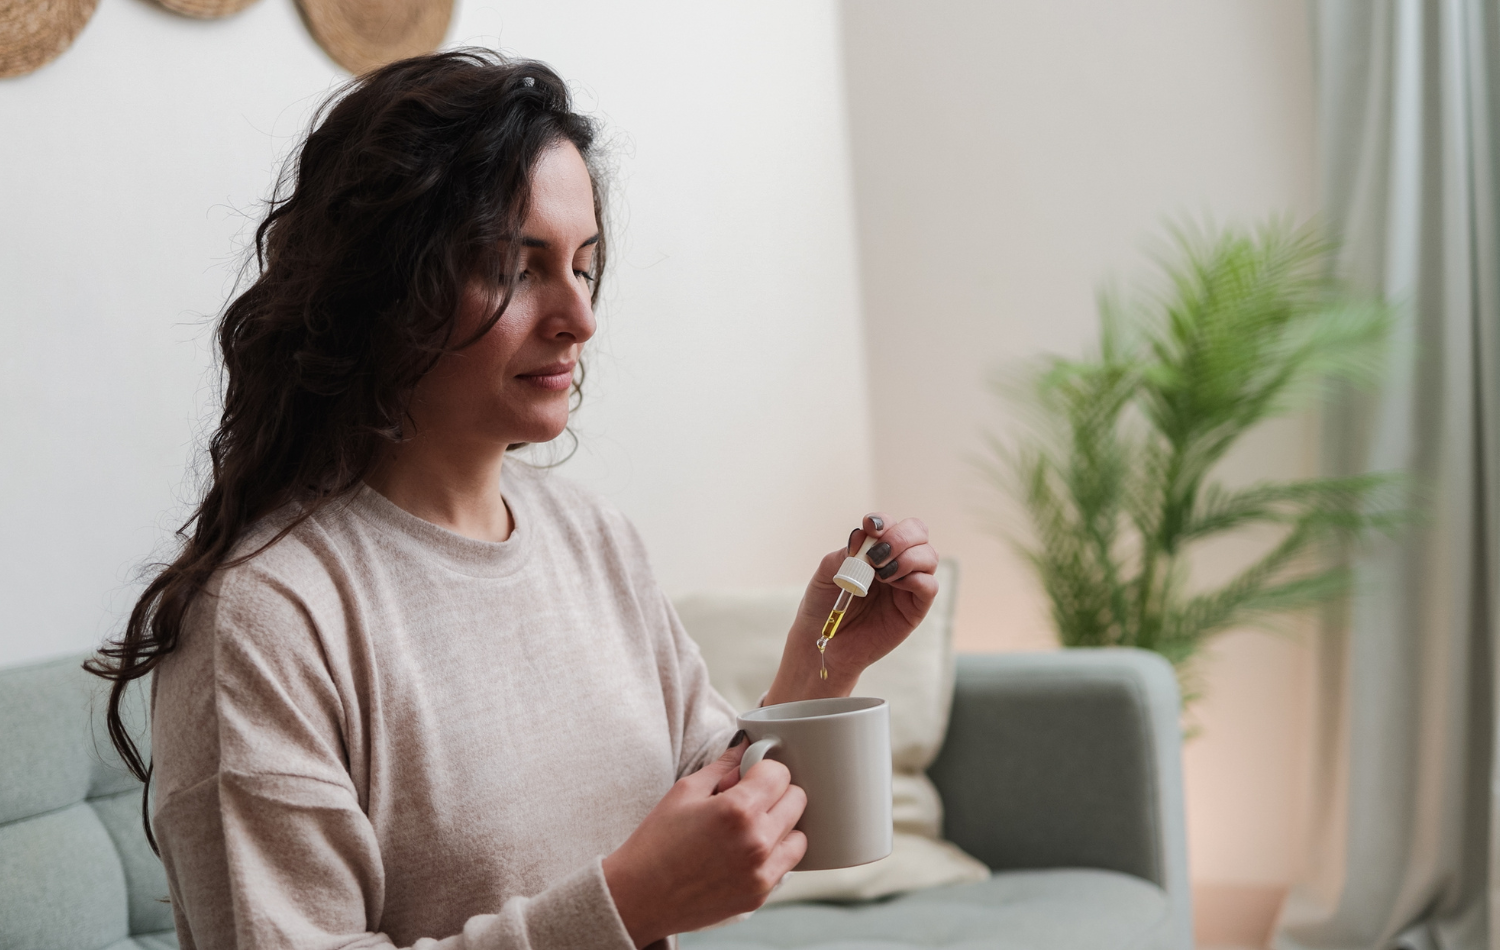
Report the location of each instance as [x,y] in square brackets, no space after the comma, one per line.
[1118,476]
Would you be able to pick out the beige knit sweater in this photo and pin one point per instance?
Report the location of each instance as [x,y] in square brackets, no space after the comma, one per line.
[379,732]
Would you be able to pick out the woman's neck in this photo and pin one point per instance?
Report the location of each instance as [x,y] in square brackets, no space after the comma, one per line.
[454,487]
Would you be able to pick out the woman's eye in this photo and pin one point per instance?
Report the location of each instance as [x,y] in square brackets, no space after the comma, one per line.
[585,275]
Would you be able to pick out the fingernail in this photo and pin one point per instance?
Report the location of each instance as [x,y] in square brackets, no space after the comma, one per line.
[880,552]
[875,520]
[738,738]
[889,569]
[849,546]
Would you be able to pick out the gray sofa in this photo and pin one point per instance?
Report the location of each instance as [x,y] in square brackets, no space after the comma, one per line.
[75,870]
[1061,771]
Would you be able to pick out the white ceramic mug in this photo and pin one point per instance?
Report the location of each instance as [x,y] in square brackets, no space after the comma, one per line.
[839,752]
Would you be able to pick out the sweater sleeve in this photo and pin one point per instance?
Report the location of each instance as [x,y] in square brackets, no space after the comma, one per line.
[269,845]
[708,719]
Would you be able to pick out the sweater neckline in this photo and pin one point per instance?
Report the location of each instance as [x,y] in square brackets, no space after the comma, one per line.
[458,553]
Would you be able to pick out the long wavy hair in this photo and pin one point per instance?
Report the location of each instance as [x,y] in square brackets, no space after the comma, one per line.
[414,180]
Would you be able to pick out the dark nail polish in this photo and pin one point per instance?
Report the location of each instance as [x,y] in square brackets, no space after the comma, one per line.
[879,525]
[889,569]
[849,545]
[880,552]
[738,738]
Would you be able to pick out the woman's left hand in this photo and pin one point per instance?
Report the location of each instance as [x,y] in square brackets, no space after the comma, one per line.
[904,589]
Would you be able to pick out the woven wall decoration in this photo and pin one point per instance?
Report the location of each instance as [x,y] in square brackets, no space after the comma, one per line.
[363,34]
[35,32]
[358,34]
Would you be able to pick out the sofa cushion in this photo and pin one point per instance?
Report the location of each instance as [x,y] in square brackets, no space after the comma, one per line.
[75,870]
[145,878]
[63,885]
[1080,909]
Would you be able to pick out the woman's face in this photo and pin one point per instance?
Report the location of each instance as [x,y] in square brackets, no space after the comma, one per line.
[512,384]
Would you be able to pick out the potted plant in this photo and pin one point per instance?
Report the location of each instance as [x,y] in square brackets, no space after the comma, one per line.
[1118,475]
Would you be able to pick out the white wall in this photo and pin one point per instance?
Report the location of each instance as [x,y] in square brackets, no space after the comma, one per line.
[1009,158]
[725,408]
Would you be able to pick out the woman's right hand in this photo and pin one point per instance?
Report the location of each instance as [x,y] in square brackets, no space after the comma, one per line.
[713,847]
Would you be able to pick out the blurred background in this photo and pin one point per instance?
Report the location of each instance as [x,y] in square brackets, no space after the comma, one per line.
[833,224]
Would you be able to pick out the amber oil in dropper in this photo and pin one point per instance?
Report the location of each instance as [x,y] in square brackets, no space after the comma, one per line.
[830,627]
[853,580]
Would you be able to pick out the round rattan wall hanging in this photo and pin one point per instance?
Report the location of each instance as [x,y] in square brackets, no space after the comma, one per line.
[205,9]
[363,34]
[35,32]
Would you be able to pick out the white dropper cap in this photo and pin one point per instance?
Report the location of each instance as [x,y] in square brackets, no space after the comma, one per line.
[857,573]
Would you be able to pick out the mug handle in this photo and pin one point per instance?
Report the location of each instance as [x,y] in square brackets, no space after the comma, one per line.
[756,752]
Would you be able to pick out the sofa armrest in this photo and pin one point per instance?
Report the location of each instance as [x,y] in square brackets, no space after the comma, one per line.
[1068,759]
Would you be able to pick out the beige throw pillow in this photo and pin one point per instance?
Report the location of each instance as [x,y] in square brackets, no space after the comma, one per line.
[741,635]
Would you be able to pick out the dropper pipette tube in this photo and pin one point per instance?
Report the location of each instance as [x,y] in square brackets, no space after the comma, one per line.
[830,627]
[853,580]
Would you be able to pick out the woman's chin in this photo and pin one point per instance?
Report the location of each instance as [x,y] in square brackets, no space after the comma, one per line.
[540,430]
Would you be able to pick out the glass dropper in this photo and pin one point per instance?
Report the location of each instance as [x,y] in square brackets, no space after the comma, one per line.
[853,579]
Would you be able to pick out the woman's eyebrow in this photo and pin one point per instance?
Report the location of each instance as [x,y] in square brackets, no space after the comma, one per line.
[540,243]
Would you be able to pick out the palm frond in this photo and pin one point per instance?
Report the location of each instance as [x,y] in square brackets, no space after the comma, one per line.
[1351,502]
[1117,471]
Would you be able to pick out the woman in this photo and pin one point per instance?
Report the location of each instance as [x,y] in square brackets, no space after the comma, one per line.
[406,688]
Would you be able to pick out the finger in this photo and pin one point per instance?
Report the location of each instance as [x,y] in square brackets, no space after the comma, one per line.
[763,785]
[732,777]
[922,559]
[897,539]
[921,585]
[829,566]
[870,526]
[788,809]
[706,780]
[788,852]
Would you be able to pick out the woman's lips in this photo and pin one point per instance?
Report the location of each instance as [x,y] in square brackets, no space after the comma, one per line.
[557,377]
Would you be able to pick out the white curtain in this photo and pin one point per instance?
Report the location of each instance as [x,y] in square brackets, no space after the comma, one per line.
[1407,855]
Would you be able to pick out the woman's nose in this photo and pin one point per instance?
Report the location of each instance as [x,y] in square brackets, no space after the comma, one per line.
[571,311]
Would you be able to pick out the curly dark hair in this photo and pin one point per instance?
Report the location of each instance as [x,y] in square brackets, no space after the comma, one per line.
[414,180]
